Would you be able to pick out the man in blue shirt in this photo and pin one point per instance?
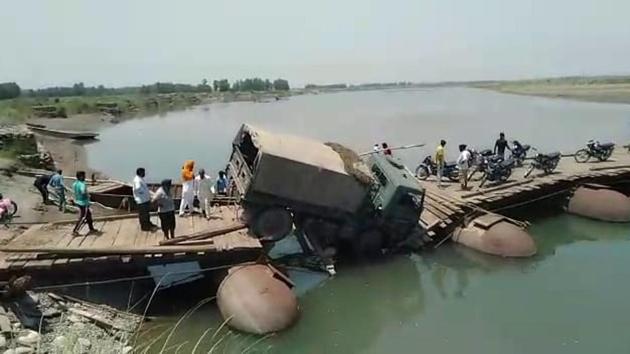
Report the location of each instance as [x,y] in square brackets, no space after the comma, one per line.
[222,183]
[56,183]
[82,200]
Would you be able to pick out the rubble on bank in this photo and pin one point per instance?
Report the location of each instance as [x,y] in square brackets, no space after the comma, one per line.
[51,323]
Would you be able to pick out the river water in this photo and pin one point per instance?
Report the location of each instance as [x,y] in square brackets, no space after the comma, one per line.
[570,298]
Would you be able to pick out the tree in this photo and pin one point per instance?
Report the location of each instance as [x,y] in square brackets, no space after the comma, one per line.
[281,85]
[223,85]
[215,85]
[78,89]
[9,90]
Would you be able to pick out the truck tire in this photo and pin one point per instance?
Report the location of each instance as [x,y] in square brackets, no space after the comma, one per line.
[273,224]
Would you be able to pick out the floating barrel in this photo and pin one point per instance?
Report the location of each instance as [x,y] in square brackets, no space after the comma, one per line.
[600,203]
[495,235]
[256,299]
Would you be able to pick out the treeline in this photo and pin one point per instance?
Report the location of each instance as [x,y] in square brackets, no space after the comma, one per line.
[12,90]
[326,87]
[9,90]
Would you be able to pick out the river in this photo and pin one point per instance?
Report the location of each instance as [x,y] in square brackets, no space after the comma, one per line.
[570,298]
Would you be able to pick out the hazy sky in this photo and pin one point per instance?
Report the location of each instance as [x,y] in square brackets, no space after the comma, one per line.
[128,42]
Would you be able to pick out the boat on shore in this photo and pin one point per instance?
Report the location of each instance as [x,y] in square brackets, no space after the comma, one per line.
[41,129]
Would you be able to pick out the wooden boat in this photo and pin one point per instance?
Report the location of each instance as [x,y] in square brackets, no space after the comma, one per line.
[39,128]
[120,196]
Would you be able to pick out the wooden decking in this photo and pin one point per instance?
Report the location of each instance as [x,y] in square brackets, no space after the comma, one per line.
[449,207]
[122,234]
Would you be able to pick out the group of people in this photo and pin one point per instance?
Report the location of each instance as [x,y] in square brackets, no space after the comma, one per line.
[198,186]
[81,197]
[383,148]
[55,182]
[464,160]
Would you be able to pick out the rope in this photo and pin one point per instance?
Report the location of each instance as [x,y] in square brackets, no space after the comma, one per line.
[140,277]
[533,200]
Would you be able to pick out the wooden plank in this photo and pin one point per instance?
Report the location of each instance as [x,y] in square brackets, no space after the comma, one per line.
[487,220]
[204,234]
[127,234]
[184,226]
[109,232]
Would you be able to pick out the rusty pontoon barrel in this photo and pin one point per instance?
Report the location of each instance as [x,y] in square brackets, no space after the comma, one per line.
[600,203]
[254,299]
[495,235]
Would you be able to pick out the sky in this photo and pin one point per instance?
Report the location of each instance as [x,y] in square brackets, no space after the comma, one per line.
[131,42]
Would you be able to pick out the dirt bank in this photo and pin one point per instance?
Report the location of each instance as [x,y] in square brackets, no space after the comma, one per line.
[608,93]
[70,155]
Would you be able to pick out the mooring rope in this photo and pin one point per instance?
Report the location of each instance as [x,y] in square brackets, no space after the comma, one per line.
[139,277]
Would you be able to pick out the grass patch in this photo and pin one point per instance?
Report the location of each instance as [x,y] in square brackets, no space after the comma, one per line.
[18,110]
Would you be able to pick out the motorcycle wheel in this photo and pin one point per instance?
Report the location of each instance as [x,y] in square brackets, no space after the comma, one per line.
[13,209]
[422,172]
[605,155]
[550,167]
[453,176]
[582,156]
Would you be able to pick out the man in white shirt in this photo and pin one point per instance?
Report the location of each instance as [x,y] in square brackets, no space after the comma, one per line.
[142,197]
[463,162]
[204,191]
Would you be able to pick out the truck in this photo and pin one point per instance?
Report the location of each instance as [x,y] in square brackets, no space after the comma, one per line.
[332,199]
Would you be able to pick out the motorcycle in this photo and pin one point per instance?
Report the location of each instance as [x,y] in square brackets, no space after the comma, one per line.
[546,162]
[8,208]
[497,170]
[429,167]
[519,152]
[479,162]
[594,149]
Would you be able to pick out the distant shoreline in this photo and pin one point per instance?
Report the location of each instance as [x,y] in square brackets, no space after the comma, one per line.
[588,89]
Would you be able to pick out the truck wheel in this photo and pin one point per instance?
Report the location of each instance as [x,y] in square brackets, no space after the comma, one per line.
[273,224]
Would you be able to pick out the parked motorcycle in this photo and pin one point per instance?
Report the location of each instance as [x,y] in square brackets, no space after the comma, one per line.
[8,208]
[429,167]
[479,162]
[497,170]
[546,162]
[519,152]
[594,149]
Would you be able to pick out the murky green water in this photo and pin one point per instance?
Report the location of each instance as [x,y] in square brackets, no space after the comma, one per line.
[573,297]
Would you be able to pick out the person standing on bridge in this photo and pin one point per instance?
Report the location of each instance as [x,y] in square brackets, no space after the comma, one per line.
[56,183]
[41,183]
[188,189]
[82,200]
[166,208]
[203,190]
[500,145]
[463,161]
[440,156]
[142,197]
[222,183]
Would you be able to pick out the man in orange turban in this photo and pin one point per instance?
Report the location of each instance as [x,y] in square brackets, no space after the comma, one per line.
[188,190]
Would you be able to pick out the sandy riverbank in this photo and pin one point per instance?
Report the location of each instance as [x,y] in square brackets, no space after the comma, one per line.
[595,92]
